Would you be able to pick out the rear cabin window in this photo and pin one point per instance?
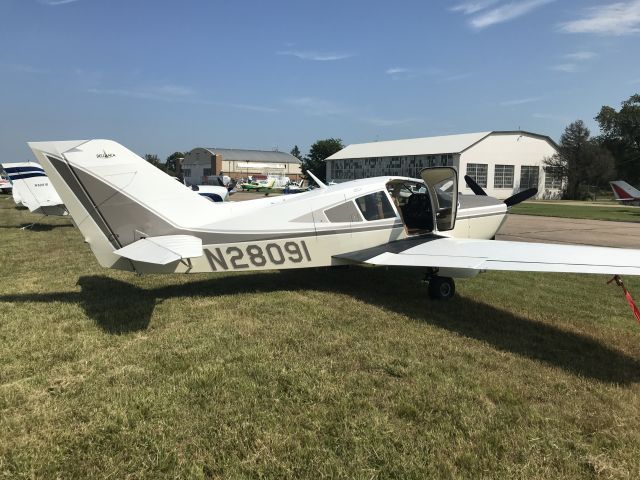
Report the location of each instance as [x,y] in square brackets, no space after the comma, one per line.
[345,212]
[375,206]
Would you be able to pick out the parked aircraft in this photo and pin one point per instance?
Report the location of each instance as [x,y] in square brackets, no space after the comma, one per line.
[135,217]
[5,183]
[213,193]
[625,193]
[32,189]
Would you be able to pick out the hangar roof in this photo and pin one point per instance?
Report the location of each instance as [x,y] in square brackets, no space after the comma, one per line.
[263,156]
[422,146]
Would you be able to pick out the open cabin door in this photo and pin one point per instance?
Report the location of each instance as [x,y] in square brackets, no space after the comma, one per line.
[442,184]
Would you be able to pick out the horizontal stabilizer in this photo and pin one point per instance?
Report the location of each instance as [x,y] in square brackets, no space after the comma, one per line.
[162,250]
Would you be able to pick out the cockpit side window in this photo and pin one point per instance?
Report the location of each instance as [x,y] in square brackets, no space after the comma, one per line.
[345,212]
[375,206]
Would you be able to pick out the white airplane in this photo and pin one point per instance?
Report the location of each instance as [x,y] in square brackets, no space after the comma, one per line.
[213,193]
[31,188]
[625,193]
[135,217]
[5,183]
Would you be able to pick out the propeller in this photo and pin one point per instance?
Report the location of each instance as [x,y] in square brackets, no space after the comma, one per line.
[509,202]
[477,189]
[520,197]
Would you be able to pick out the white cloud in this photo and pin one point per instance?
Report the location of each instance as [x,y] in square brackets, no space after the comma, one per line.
[164,92]
[506,12]
[580,56]
[397,70]
[176,93]
[454,78]
[54,3]
[316,106]
[316,56]
[566,68]
[23,68]
[519,101]
[469,8]
[622,18]
[386,122]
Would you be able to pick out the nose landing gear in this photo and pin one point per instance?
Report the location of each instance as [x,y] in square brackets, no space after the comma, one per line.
[440,288]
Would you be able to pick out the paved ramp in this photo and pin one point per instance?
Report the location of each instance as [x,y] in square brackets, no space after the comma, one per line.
[529,228]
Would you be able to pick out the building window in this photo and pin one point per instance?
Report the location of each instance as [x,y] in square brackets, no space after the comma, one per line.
[186,172]
[207,172]
[529,176]
[446,160]
[503,176]
[553,177]
[375,206]
[478,171]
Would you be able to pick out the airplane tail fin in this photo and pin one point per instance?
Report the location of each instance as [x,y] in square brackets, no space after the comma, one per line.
[117,198]
[623,192]
[33,189]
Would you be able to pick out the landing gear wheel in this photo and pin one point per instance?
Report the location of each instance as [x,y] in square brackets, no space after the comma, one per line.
[441,288]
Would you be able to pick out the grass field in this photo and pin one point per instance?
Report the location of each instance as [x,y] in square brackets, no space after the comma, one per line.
[587,211]
[307,374]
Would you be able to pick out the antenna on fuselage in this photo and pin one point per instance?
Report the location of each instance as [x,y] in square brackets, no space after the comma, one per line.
[320,183]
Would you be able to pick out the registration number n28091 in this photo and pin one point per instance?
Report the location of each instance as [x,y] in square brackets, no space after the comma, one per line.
[252,255]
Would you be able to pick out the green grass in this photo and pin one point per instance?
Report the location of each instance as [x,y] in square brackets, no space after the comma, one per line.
[572,210]
[307,374]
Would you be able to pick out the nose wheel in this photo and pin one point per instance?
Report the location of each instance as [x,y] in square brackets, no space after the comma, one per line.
[441,288]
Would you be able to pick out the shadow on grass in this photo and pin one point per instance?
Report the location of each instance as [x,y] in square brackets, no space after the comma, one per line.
[120,307]
[36,227]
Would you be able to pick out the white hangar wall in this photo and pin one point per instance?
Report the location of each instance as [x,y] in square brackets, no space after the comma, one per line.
[502,162]
[512,161]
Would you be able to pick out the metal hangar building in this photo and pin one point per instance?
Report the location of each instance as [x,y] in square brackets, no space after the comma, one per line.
[502,162]
[201,163]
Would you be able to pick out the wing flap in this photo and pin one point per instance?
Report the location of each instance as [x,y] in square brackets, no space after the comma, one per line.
[162,250]
[502,255]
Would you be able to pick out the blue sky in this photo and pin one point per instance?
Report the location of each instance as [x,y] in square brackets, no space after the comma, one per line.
[166,75]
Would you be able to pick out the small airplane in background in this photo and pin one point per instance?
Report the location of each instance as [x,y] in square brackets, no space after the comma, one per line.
[32,189]
[625,193]
[5,183]
[135,217]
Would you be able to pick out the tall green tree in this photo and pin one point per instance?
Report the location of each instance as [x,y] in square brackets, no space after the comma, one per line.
[621,135]
[295,151]
[581,161]
[153,160]
[318,152]
[171,164]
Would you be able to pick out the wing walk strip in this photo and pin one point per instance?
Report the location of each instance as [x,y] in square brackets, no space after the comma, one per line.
[441,252]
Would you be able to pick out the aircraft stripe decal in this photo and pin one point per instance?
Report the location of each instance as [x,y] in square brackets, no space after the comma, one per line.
[621,192]
[23,169]
[26,175]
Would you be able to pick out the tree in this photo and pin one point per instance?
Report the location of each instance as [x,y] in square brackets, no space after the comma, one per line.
[621,136]
[295,151]
[153,160]
[599,165]
[580,160]
[317,154]
[173,161]
[566,163]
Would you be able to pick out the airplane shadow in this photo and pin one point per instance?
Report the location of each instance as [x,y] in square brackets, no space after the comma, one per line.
[36,227]
[119,307]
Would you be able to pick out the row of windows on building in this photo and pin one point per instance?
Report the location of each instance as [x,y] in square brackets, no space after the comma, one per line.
[408,166]
[503,176]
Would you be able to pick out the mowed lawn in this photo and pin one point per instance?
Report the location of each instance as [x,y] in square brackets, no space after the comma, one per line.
[349,373]
[591,211]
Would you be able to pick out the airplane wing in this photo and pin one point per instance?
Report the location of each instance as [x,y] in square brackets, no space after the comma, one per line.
[476,255]
[162,250]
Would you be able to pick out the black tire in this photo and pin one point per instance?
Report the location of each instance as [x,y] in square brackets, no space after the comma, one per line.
[441,288]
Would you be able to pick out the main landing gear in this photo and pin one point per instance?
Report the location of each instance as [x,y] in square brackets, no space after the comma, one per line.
[440,288]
